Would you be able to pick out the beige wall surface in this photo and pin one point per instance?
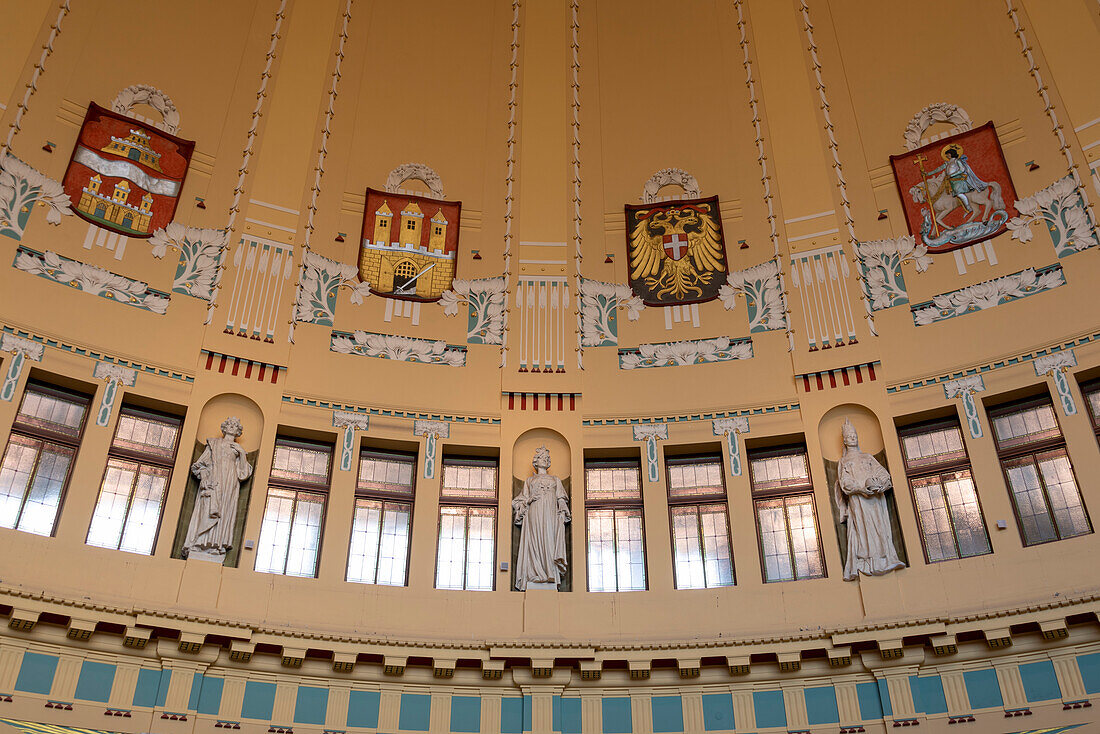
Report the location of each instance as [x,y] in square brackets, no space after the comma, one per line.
[544,119]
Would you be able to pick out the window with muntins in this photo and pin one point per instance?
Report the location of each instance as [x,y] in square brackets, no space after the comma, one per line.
[131,497]
[466,553]
[946,500]
[1091,391]
[379,552]
[38,459]
[1038,472]
[698,513]
[613,522]
[786,519]
[290,536]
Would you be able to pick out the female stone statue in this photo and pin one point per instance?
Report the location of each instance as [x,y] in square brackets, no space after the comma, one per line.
[541,510]
[860,495]
[221,469]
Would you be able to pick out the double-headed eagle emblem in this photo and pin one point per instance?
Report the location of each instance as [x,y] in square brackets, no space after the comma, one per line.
[676,251]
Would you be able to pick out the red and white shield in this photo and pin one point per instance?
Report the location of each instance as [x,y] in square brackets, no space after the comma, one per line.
[676,245]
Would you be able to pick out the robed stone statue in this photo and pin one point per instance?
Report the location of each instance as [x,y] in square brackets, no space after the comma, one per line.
[541,510]
[221,468]
[860,496]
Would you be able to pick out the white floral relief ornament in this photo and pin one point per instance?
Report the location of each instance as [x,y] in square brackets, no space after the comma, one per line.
[763,292]
[730,428]
[431,430]
[400,348]
[933,113]
[149,95]
[675,354]
[21,187]
[1055,365]
[485,300]
[350,422]
[1061,207]
[988,294]
[650,434]
[114,375]
[880,264]
[21,350]
[600,303]
[201,253]
[965,387]
[319,280]
[90,279]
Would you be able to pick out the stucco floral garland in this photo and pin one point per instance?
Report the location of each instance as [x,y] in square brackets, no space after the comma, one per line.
[880,262]
[933,113]
[319,280]
[149,95]
[599,303]
[485,298]
[763,294]
[400,348]
[1059,205]
[90,279]
[32,85]
[201,252]
[988,294]
[21,187]
[674,354]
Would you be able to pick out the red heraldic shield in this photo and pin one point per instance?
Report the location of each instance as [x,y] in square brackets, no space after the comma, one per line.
[125,175]
[677,254]
[956,191]
[409,246]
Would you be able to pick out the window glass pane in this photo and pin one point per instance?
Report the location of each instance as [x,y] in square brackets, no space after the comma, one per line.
[305,534]
[1026,425]
[1062,493]
[804,544]
[718,566]
[697,478]
[393,555]
[687,548]
[602,567]
[45,410]
[481,548]
[146,434]
[1027,495]
[390,474]
[450,570]
[469,479]
[775,544]
[935,521]
[932,447]
[300,463]
[44,493]
[613,483]
[114,498]
[20,459]
[966,514]
[271,550]
[366,529]
[1092,397]
[779,472]
[141,525]
[630,550]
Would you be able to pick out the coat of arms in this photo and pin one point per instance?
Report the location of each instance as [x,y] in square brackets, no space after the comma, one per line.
[125,175]
[676,250]
[409,245]
[956,191]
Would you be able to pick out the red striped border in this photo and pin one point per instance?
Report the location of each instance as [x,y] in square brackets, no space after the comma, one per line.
[240,367]
[839,377]
[544,401]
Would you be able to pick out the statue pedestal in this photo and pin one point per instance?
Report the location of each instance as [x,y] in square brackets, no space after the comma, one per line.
[218,558]
[542,586]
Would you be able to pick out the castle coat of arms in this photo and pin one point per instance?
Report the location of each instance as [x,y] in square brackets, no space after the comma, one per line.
[409,245]
[956,191]
[676,250]
[125,175]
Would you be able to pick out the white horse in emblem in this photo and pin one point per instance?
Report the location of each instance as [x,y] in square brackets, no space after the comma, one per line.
[944,201]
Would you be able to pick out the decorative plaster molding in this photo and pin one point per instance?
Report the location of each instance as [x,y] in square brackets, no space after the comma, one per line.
[730,427]
[880,263]
[667,177]
[90,279]
[575,126]
[1062,207]
[988,294]
[21,187]
[32,86]
[485,297]
[400,348]
[114,375]
[318,281]
[431,430]
[599,303]
[671,354]
[21,350]
[201,253]
[420,172]
[145,94]
[510,162]
[350,422]
[933,113]
[965,387]
[763,292]
[1055,365]
[651,433]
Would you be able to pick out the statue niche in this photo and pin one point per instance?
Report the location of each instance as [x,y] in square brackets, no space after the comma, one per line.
[541,511]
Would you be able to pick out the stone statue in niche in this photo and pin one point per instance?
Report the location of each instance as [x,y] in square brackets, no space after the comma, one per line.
[541,510]
[860,496]
[221,468]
